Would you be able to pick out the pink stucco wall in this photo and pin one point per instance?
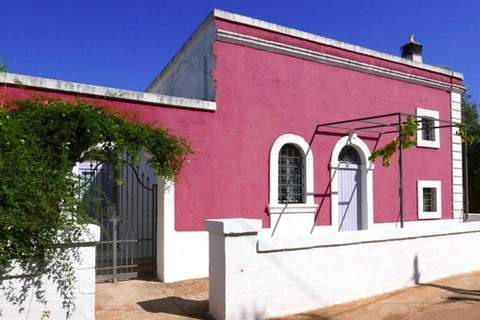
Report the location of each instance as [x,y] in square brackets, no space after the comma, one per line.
[262,95]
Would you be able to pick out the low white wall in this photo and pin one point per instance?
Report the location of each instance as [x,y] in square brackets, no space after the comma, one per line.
[84,289]
[181,255]
[253,277]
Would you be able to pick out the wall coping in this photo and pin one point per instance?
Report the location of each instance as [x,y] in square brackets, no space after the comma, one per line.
[235,226]
[261,24]
[20,80]
[332,238]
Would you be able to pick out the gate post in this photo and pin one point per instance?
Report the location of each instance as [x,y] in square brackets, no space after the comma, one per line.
[230,240]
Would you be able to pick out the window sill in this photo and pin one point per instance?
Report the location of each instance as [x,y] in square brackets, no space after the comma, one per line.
[292,208]
[429,215]
[428,144]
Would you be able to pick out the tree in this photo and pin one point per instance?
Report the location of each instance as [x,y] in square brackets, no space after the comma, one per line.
[41,140]
[471,121]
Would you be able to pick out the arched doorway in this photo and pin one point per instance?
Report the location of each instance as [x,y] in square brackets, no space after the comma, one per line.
[124,203]
[349,190]
[351,185]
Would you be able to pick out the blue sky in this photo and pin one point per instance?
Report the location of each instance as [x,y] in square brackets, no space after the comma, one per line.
[126,43]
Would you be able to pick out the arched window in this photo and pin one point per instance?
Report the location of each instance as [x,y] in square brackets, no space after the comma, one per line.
[291,175]
[349,154]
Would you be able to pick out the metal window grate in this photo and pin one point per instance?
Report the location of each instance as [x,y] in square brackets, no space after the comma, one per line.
[349,154]
[429,199]
[428,129]
[290,175]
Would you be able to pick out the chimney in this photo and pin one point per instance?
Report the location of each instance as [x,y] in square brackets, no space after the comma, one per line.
[412,50]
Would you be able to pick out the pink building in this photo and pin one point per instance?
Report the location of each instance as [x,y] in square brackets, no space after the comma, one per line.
[249,96]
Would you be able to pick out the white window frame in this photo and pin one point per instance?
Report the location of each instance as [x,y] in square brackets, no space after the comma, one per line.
[436,184]
[431,114]
[308,205]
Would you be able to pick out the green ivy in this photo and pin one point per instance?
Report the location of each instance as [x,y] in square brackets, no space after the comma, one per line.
[408,130]
[40,211]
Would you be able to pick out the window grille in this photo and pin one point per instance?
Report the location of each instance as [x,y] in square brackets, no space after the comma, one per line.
[428,131]
[291,172]
[349,154]
[429,199]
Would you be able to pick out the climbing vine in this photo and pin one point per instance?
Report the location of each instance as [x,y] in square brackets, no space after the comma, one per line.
[408,130]
[41,213]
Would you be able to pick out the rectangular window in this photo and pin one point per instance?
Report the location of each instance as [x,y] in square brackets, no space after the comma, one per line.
[429,199]
[428,133]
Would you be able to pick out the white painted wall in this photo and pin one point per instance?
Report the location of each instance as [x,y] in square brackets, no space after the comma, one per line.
[181,255]
[190,73]
[84,293]
[253,277]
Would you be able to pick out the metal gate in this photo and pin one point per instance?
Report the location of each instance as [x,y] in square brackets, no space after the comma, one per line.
[124,203]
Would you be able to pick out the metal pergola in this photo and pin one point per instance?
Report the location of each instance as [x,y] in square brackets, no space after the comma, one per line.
[390,124]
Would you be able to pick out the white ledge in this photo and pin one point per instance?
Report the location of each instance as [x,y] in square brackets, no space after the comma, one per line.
[329,239]
[326,41]
[20,80]
[292,208]
[233,226]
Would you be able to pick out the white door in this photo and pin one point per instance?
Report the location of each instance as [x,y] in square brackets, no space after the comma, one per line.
[349,190]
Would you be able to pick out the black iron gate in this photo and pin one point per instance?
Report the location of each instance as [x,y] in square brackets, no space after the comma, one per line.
[124,203]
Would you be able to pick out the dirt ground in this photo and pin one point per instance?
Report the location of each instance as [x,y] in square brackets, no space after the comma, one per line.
[454,298]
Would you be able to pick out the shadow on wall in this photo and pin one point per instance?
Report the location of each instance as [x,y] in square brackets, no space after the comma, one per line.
[327,191]
[462,294]
[416,271]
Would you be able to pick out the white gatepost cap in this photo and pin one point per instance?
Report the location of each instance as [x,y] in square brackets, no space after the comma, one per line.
[233,226]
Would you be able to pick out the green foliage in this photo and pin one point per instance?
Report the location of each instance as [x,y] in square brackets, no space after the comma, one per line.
[470,132]
[3,67]
[40,209]
[470,128]
[408,131]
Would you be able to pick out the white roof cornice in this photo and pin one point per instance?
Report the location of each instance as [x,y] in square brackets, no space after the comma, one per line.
[20,80]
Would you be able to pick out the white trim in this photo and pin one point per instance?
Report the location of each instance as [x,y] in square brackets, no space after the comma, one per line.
[292,208]
[437,184]
[268,244]
[432,115]
[366,175]
[20,80]
[289,218]
[329,42]
[273,46]
[307,152]
[457,170]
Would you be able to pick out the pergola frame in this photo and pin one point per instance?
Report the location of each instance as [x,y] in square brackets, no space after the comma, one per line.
[390,124]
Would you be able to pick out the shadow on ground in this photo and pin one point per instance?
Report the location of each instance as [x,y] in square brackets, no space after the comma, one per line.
[463,294]
[177,306]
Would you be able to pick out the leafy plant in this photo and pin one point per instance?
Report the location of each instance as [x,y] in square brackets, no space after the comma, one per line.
[408,131]
[470,133]
[41,140]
